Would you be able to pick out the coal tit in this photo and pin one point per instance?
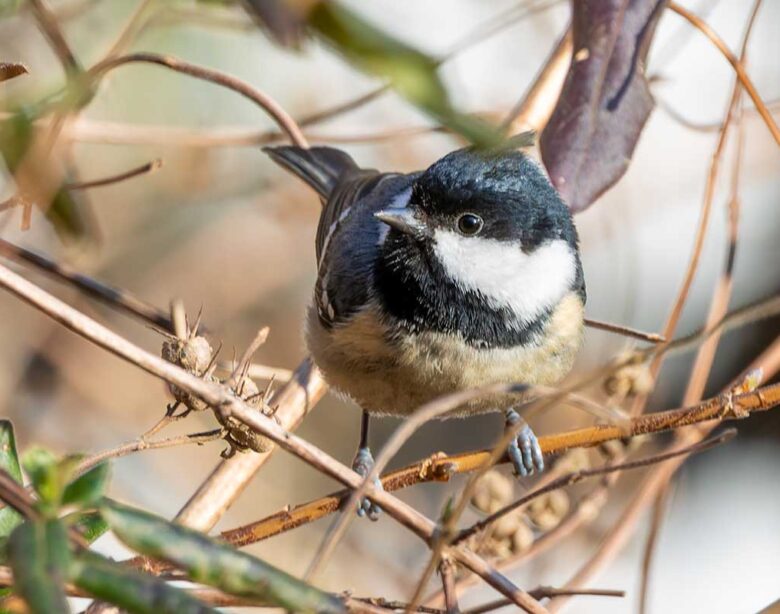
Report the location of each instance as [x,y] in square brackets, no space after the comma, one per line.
[462,275]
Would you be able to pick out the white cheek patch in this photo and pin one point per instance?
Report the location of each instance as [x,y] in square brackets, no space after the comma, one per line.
[527,284]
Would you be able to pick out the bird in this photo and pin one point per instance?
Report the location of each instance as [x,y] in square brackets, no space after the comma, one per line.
[465,274]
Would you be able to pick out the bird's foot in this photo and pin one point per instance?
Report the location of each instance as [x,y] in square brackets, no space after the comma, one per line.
[523,450]
[362,465]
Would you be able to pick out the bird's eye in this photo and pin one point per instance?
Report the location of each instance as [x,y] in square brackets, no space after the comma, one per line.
[469,224]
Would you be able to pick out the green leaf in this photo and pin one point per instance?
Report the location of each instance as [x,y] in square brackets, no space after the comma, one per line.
[90,524]
[43,469]
[39,557]
[67,211]
[410,72]
[9,460]
[131,590]
[216,564]
[87,490]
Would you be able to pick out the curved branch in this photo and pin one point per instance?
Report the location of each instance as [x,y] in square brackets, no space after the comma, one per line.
[273,108]
[732,59]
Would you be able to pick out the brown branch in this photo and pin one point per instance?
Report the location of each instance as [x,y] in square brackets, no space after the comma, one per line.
[140,445]
[659,511]
[267,103]
[447,573]
[574,477]
[51,29]
[534,109]
[716,40]
[113,297]
[149,167]
[625,331]
[229,405]
[442,468]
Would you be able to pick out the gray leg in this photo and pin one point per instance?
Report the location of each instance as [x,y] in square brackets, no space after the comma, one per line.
[524,450]
[362,465]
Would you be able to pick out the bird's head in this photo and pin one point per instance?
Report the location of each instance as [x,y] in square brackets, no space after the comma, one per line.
[491,224]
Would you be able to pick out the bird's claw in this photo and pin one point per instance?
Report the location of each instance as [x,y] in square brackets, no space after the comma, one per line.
[362,465]
[524,450]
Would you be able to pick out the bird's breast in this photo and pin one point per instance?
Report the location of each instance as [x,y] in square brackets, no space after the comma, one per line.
[387,372]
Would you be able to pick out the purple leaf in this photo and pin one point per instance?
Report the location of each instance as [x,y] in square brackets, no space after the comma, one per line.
[11,70]
[605,102]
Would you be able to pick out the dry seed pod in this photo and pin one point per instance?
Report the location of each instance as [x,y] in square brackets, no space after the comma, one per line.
[507,524]
[547,511]
[194,355]
[631,380]
[574,460]
[493,491]
[522,539]
[240,436]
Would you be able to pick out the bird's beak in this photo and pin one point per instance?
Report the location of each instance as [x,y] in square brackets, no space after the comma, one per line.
[404,220]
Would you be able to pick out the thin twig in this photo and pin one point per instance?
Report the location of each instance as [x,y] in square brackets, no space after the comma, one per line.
[149,167]
[651,543]
[442,468]
[112,296]
[577,476]
[625,331]
[139,445]
[229,405]
[282,118]
[716,40]
[51,29]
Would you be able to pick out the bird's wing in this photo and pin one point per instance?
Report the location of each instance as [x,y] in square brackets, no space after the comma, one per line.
[350,195]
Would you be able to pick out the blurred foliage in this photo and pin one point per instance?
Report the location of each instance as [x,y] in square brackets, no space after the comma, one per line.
[9,460]
[67,212]
[411,73]
[216,564]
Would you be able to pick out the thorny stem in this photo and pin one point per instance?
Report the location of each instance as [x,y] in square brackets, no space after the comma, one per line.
[229,405]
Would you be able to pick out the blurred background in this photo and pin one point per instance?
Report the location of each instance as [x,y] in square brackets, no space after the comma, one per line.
[224,229]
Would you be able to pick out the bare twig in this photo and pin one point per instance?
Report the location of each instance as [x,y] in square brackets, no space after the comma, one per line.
[139,445]
[625,331]
[51,29]
[577,476]
[659,510]
[716,40]
[447,574]
[149,167]
[229,405]
[114,297]
[441,467]
[273,108]
[536,106]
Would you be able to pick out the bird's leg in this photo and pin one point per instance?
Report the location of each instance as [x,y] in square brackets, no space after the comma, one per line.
[362,465]
[523,450]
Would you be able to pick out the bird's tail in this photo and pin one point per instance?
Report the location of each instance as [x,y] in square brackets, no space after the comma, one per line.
[321,167]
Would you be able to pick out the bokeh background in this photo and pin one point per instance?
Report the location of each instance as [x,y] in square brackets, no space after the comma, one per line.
[224,229]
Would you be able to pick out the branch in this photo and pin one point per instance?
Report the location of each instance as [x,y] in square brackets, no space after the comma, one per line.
[228,405]
[716,40]
[149,167]
[442,468]
[282,118]
[110,295]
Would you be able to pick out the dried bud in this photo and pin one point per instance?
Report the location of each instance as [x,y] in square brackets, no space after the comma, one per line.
[240,436]
[493,491]
[631,380]
[507,524]
[194,355]
[522,539]
[574,460]
[547,511]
